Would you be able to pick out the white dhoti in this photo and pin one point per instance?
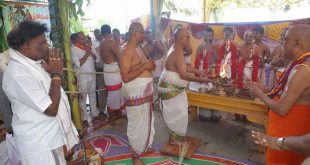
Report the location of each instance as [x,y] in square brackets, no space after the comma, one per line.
[113,84]
[138,96]
[174,101]
[247,71]
[51,157]
[176,114]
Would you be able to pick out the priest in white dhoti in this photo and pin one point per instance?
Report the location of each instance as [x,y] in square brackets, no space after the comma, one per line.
[109,52]
[41,111]
[137,90]
[174,103]
[138,96]
[171,88]
[113,84]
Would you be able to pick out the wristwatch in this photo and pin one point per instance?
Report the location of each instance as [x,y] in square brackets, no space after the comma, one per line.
[280,141]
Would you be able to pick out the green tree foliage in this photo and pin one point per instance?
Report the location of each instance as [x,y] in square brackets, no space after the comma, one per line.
[3,43]
[172,6]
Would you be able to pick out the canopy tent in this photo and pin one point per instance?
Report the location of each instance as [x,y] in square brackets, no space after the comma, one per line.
[210,5]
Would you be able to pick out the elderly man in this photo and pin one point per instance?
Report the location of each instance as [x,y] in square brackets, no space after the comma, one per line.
[288,101]
[83,57]
[137,89]
[41,111]
[172,83]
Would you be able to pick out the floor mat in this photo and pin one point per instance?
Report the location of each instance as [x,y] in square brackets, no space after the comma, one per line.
[115,150]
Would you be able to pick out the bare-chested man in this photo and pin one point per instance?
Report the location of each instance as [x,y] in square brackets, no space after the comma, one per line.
[226,62]
[187,49]
[278,61]
[248,61]
[263,52]
[207,51]
[171,40]
[117,37]
[288,101]
[172,84]
[206,55]
[113,81]
[137,90]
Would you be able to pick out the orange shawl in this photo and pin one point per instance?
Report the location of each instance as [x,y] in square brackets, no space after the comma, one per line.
[295,123]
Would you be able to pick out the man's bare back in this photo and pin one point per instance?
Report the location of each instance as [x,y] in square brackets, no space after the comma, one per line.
[172,57]
[108,50]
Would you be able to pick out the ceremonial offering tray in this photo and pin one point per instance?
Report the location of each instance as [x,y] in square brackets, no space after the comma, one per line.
[245,93]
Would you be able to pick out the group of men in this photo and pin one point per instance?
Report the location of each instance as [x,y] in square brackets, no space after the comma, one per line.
[42,122]
[99,55]
[238,63]
[287,96]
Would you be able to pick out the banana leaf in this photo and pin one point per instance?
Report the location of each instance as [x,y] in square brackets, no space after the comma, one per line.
[59,17]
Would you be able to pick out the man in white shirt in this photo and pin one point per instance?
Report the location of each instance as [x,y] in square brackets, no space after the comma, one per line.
[41,121]
[83,58]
